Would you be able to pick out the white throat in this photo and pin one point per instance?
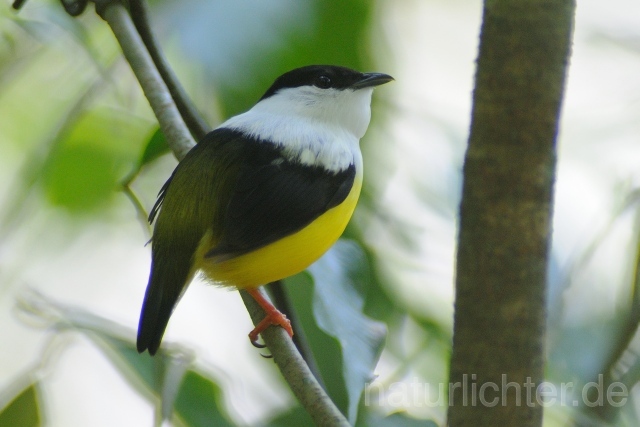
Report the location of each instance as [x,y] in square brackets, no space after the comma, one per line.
[316,127]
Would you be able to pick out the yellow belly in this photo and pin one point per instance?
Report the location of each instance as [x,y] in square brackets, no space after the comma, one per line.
[289,255]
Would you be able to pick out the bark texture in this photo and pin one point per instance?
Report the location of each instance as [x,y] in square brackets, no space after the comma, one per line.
[505,214]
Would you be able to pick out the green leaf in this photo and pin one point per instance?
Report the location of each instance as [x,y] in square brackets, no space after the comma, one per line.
[82,172]
[378,303]
[325,348]
[199,402]
[80,178]
[23,410]
[186,393]
[398,419]
[137,368]
[295,417]
[340,277]
[156,147]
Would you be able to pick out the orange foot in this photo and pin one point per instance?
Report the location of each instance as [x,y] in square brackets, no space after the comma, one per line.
[273,317]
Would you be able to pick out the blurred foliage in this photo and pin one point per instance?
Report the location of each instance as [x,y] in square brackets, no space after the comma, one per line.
[168,378]
[75,129]
[244,45]
[192,396]
[95,136]
[82,173]
[24,410]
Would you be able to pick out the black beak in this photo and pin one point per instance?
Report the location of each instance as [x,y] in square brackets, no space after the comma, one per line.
[371,80]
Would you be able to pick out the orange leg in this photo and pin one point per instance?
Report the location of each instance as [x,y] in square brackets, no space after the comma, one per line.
[273,317]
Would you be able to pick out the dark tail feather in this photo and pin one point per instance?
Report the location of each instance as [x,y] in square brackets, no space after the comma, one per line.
[153,320]
[165,287]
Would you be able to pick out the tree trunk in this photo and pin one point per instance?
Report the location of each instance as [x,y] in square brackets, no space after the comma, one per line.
[505,214]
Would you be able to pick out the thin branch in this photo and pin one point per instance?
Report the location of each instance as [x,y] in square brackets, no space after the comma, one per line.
[140,210]
[194,121]
[295,371]
[156,91]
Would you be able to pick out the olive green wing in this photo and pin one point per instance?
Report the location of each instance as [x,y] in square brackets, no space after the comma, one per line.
[184,212]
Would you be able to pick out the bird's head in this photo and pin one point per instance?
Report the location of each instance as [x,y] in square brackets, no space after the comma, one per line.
[336,96]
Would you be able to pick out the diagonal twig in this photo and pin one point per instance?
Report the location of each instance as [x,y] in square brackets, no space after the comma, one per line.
[194,121]
[154,88]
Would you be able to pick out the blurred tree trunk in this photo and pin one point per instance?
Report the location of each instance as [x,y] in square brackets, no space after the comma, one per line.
[505,214]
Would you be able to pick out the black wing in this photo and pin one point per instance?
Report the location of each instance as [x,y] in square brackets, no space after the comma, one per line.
[274,197]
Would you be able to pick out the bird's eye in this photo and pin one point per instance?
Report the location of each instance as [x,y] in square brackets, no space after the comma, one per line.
[323,82]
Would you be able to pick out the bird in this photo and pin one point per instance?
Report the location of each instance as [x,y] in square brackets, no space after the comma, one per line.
[262,196]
